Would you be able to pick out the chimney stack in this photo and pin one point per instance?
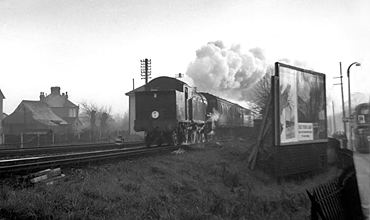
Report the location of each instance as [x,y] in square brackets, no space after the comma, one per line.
[55,90]
[65,95]
[42,96]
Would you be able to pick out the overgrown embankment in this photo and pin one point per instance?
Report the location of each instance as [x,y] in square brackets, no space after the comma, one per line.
[210,182]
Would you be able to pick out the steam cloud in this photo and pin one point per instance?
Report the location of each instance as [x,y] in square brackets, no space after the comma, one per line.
[226,72]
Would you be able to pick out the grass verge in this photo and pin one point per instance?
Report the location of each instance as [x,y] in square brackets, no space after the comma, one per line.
[203,183]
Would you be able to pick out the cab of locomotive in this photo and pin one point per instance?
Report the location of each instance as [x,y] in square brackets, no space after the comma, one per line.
[162,105]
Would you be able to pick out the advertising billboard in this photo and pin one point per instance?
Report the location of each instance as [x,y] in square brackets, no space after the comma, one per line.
[300,105]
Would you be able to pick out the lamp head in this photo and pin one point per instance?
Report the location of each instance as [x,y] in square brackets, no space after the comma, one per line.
[358,64]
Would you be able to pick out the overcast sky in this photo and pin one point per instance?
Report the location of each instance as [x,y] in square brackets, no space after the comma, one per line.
[92,49]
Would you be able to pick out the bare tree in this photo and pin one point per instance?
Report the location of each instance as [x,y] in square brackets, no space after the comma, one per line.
[88,113]
[105,113]
[120,121]
[261,92]
[356,99]
[95,117]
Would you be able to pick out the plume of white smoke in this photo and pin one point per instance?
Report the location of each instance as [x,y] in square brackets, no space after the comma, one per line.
[226,72]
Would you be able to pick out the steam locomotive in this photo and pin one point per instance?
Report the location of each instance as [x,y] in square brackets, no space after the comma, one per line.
[170,111]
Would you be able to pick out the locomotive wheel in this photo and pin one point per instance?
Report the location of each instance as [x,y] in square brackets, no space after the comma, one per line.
[147,140]
[202,137]
[159,142]
[199,137]
[186,133]
[175,138]
[194,137]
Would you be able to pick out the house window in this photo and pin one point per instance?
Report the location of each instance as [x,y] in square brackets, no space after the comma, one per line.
[72,112]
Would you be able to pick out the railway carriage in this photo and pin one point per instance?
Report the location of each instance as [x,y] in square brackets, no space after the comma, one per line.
[225,117]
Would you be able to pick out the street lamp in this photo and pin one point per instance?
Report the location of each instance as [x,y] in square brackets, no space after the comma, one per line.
[349,104]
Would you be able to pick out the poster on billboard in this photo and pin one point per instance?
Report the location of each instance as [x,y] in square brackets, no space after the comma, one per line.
[301,106]
[288,106]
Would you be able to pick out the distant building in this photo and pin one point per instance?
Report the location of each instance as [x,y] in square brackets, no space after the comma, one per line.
[31,116]
[63,108]
[53,112]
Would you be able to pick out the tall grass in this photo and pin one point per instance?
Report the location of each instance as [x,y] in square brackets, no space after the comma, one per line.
[202,183]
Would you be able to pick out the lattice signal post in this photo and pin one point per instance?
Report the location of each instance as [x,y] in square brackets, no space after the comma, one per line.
[146,69]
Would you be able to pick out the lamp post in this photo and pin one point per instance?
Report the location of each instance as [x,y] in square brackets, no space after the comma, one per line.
[349,105]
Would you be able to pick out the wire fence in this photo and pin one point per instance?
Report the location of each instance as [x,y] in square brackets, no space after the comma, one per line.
[43,139]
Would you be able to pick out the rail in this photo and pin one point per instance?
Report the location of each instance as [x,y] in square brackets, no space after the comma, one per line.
[25,164]
[9,153]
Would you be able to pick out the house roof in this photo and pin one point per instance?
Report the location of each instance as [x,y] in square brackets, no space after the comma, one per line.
[70,120]
[36,110]
[69,104]
[1,95]
[57,100]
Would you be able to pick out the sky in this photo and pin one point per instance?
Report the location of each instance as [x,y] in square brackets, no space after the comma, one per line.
[92,49]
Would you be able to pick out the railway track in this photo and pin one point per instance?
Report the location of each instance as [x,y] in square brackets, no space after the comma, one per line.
[40,162]
[14,153]
[50,157]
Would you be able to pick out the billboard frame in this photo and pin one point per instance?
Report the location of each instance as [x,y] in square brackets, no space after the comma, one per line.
[276,122]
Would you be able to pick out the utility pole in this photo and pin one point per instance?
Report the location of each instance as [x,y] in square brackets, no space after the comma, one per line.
[334,125]
[146,69]
[343,109]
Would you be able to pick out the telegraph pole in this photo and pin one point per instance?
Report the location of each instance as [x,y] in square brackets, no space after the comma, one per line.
[343,110]
[335,127]
[146,69]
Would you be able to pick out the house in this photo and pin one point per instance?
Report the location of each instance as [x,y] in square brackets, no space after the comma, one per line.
[32,116]
[52,112]
[64,108]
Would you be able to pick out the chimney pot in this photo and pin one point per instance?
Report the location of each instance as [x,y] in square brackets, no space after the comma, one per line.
[42,96]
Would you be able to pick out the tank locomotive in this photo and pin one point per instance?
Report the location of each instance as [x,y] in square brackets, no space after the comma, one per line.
[169,110]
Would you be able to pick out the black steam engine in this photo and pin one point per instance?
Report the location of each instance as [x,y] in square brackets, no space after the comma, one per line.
[171,111]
